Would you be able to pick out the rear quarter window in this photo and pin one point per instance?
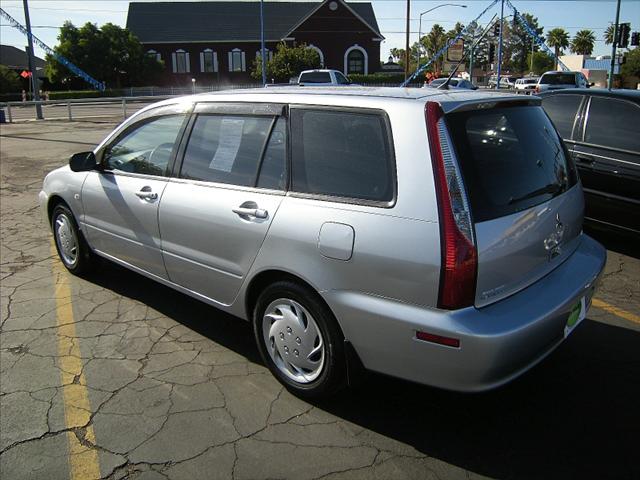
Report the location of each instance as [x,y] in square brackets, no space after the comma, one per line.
[511,159]
[342,154]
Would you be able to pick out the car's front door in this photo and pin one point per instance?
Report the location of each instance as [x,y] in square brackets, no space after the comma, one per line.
[215,215]
[121,200]
[608,157]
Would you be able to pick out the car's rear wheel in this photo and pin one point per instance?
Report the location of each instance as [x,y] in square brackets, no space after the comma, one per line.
[299,339]
[70,244]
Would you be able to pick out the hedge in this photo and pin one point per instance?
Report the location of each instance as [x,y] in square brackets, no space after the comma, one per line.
[64,95]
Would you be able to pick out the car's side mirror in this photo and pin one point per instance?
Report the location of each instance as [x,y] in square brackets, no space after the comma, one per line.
[82,162]
[591,84]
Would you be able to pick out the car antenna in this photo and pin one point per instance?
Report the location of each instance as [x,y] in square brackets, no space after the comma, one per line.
[445,85]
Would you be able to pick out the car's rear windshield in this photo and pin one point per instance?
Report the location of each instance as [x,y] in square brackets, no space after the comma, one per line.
[558,79]
[511,159]
[315,77]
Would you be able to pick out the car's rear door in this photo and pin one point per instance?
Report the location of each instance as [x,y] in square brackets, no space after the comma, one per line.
[215,214]
[120,201]
[607,152]
[526,203]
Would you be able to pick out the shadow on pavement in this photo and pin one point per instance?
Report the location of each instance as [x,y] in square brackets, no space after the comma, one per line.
[614,240]
[573,416]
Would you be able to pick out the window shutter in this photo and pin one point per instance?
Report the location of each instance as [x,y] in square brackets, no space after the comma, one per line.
[215,61]
[173,62]
[231,61]
[186,59]
[244,64]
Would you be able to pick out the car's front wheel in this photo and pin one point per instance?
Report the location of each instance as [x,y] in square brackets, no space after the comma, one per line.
[299,339]
[70,244]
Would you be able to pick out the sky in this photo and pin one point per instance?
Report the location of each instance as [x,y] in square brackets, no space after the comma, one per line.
[572,15]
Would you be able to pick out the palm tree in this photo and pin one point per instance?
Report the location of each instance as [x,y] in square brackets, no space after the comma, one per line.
[582,43]
[608,35]
[558,38]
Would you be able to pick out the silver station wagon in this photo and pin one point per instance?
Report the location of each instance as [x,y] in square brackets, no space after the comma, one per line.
[430,235]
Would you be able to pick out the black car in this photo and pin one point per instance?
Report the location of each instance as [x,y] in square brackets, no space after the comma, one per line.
[601,129]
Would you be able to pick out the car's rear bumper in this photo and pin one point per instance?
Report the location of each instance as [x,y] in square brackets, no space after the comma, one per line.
[497,342]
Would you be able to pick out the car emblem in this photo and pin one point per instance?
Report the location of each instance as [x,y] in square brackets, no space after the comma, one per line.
[553,241]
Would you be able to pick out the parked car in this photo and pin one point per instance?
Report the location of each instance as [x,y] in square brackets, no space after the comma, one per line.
[454,84]
[526,85]
[432,236]
[324,77]
[506,81]
[560,80]
[601,129]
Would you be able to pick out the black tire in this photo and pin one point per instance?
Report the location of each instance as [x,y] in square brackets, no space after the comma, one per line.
[84,259]
[332,376]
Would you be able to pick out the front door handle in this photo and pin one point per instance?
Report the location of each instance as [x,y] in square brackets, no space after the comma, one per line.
[251,212]
[146,193]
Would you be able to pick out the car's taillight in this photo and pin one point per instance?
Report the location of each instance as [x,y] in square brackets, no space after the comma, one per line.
[459,256]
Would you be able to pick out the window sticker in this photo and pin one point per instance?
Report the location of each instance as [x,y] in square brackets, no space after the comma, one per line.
[228,145]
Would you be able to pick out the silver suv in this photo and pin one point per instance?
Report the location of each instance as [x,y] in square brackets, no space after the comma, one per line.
[430,235]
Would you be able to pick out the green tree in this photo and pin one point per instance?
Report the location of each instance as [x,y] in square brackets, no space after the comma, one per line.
[632,66]
[287,63]
[521,43]
[110,53]
[481,51]
[432,42]
[9,80]
[558,39]
[582,43]
[541,62]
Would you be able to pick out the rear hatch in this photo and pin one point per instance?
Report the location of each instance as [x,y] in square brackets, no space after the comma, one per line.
[525,203]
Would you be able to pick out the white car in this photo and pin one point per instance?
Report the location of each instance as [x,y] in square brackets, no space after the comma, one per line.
[323,77]
[526,85]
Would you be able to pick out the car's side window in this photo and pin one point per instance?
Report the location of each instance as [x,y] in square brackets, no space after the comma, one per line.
[562,110]
[613,123]
[227,149]
[341,153]
[147,148]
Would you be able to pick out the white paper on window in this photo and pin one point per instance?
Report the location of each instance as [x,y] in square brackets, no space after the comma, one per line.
[228,144]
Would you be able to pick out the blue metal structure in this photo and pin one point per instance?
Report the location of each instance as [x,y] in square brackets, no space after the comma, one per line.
[539,41]
[444,49]
[85,76]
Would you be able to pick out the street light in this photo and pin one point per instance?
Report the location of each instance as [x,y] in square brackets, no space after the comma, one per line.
[193,85]
[420,23]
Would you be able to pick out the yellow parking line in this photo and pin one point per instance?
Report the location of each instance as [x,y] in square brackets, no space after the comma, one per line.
[618,312]
[83,461]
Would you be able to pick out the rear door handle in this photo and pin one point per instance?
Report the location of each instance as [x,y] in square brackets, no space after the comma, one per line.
[146,193]
[251,212]
[585,159]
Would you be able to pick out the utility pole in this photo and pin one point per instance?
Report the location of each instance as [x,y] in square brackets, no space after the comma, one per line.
[500,44]
[406,50]
[32,66]
[613,47]
[262,50]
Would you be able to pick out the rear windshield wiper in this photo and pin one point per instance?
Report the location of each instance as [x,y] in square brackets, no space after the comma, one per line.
[551,188]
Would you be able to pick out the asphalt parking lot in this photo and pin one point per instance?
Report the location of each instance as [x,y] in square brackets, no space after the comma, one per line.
[115,376]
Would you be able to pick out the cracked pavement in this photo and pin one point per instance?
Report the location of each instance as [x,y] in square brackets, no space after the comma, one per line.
[143,382]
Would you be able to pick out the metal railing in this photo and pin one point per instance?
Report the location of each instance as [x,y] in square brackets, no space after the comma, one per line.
[87,108]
